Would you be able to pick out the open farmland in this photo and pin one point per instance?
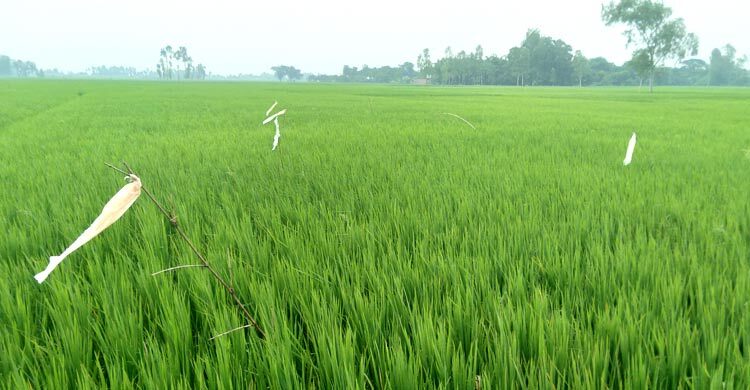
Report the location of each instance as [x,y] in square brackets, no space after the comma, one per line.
[383,244]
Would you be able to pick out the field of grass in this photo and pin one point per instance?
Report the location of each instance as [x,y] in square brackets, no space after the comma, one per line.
[384,244]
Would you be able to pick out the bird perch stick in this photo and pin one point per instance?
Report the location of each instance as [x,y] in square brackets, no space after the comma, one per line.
[173,220]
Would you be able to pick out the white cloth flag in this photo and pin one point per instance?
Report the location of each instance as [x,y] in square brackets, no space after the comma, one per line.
[113,210]
[268,111]
[277,135]
[275,119]
[274,116]
[629,153]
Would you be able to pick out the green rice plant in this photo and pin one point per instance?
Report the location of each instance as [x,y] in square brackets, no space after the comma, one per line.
[385,245]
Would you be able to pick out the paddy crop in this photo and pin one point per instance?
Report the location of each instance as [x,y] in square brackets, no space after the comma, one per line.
[383,244]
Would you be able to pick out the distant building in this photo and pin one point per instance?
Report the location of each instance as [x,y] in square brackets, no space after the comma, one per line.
[421,81]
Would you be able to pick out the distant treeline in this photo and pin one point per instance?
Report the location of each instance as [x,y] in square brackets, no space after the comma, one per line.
[18,68]
[539,60]
[542,60]
[26,69]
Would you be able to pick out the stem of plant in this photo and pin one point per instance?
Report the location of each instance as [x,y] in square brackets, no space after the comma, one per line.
[173,220]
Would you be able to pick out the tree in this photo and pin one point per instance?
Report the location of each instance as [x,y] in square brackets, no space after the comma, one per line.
[697,72]
[25,68]
[476,70]
[425,64]
[725,69]
[407,71]
[200,72]
[289,72]
[640,63]
[549,60]
[166,59]
[182,56]
[581,66]
[5,68]
[446,66]
[518,60]
[279,72]
[498,70]
[650,28]
[293,73]
[178,64]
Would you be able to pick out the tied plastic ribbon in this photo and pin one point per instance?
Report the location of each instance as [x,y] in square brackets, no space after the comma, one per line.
[275,119]
[112,211]
[629,153]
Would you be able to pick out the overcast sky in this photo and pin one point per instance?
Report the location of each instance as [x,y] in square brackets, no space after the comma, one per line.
[320,36]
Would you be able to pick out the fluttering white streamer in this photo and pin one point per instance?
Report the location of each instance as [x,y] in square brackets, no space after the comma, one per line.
[268,111]
[629,153]
[454,115]
[274,116]
[277,135]
[112,211]
[275,119]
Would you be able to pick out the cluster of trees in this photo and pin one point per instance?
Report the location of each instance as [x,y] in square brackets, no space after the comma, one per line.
[656,37]
[654,34]
[403,73]
[121,72]
[286,72]
[726,69]
[18,68]
[177,64]
[542,60]
[539,60]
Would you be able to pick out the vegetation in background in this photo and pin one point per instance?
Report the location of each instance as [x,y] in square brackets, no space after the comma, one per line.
[539,61]
[18,68]
[284,72]
[726,69]
[650,28]
[177,64]
[384,245]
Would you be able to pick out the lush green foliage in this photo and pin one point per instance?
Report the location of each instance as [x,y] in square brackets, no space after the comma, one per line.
[384,244]
[541,60]
[651,28]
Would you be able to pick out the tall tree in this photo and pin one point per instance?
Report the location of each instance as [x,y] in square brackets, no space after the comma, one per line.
[581,66]
[697,72]
[656,36]
[447,66]
[550,60]
[425,64]
[166,61]
[200,72]
[290,73]
[407,71]
[642,65]
[177,64]
[293,73]
[477,72]
[279,71]
[5,68]
[725,69]
[519,62]
[25,68]
[181,57]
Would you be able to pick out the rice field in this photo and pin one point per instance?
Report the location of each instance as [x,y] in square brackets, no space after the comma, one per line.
[383,244]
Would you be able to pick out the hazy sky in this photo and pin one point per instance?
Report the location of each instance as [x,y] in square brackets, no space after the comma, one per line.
[320,36]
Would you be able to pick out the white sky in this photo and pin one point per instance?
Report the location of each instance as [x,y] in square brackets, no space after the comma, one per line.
[320,36]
